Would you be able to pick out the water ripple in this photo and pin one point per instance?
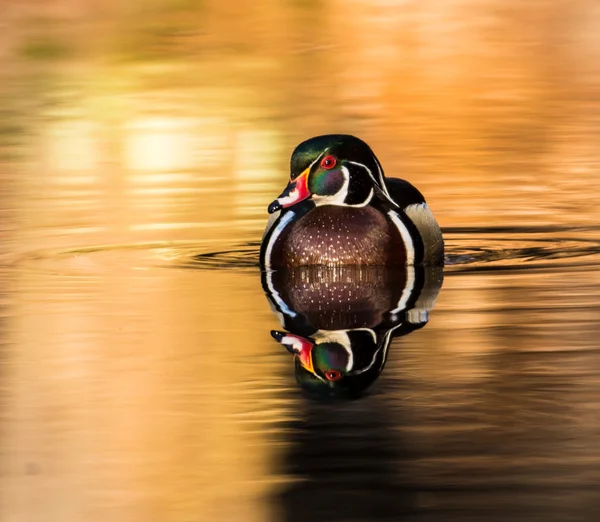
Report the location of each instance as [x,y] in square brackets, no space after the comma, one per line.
[467,250]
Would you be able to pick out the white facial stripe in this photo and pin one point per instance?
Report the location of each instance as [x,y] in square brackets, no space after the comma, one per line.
[318,158]
[386,343]
[350,363]
[341,337]
[381,180]
[340,196]
[370,365]
[364,203]
[381,177]
[408,289]
[290,199]
[408,242]
[364,167]
[332,336]
[373,334]
[384,346]
[294,342]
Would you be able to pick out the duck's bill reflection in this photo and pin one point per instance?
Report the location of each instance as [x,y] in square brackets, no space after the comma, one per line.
[339,322]
[300,347]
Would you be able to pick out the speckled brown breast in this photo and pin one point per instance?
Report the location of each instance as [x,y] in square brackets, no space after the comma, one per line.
[334,235]
[345,297]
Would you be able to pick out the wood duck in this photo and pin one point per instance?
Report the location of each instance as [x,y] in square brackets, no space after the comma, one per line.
[339,321]
[339,209]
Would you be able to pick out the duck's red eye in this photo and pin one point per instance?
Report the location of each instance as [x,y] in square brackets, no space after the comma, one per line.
[328,162]
[333,375]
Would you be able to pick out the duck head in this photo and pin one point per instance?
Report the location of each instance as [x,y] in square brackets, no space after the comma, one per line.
[334,169]
[340,363]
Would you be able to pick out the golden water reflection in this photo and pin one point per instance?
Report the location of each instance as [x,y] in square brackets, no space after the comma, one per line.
[133,391]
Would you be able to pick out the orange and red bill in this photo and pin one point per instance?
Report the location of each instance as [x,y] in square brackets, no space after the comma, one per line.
[301,347]
[296,191]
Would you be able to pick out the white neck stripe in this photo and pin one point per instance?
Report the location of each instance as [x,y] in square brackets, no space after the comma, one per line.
[406,238]
[285,309]
[408,290]
[290,214]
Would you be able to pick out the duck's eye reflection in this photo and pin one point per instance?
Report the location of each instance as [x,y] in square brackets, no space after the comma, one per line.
[328,162]
[333,375]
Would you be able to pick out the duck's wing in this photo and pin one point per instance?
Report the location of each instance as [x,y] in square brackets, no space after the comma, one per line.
[403,193]
[412,202]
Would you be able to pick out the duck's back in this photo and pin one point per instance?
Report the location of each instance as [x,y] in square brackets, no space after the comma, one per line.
[412,202]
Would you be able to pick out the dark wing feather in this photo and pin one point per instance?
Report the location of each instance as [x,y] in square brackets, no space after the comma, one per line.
[403,193]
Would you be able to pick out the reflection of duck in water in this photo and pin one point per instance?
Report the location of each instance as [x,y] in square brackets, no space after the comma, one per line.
[339,209]
[340,320]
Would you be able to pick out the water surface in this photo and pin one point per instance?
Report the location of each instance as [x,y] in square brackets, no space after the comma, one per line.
[139,149]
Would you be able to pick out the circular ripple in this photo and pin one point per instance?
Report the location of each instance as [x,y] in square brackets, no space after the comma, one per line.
[504,249]
[467,250]
[244,255]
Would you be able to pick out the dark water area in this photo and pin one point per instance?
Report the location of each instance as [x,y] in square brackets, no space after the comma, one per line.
[140,378]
